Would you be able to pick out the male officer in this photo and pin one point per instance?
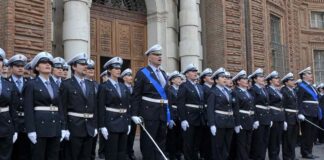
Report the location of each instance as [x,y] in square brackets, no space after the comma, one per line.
[150,102]
[29,74]
[289,102]
[127,78]
[57,72]
[8,134]
[79,101]
[277,115]
[308,109]
[21,148]
[320,90]
[191,109]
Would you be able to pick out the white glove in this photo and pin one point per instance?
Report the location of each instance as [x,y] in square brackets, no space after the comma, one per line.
[213,130]
[15,137]
[136,119]
[104,132]
[285,126]
[67,135]
[237,129]
[301,117]
[32,137]
[256,125]
[95,132]
[184,125]
[129,129]
[171,124]
[271,123]
[63,134]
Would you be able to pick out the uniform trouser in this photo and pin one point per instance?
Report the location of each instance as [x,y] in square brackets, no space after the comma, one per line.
[174,141]
[131,138]
[289,142]
[190,137]
[242,144]
[46,148]
[80,147]
[308,134]
[93,149]
[5,148]
[116,146]
[221,143]
[21,148]
[157,129]
[260,139]
[64,154]
[102,143]
[275,140]
[205,143]
[321,133]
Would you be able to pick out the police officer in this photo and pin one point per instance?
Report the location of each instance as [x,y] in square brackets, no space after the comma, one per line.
[229,83]
[191,109]
[114,120]
[260,135]
[320,90]
[57,72]
[43,111]
[21,148]
[79,101]
[174,139]
[29,74]
[150,103]
[104,76]
[127,79]
[277,115]
[243,103]
[90,75]
[220,116]
[289,103]
[65,71]
[8,132]
[5,69]
[206,82]
[308,109]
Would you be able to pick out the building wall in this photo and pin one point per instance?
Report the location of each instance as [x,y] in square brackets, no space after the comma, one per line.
[25,26]
[237,33]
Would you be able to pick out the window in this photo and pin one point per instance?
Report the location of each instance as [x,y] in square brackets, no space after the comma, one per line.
[319,66]
[317,20]
[278,50]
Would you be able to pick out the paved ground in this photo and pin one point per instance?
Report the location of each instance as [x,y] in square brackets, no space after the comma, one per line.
[318,151]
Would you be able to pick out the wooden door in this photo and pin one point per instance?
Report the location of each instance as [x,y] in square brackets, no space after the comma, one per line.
[117,32]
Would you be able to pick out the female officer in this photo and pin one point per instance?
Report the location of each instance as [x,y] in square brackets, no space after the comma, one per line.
[114,102]
[43,110]
[7,130]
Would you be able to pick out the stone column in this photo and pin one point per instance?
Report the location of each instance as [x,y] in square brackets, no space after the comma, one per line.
[190,42]
[76,27]
[172,40]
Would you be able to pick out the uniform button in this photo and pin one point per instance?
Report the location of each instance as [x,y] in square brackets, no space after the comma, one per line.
[121,116]
[120,104]
[52,112]
[42,122]
[86,106]
[86,120]
[20,98]
[9,121]
[53,121]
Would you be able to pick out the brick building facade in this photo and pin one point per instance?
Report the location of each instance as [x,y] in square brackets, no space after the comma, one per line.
[285,35]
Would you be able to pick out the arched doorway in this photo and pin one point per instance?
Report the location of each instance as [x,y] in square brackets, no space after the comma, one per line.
[118,28]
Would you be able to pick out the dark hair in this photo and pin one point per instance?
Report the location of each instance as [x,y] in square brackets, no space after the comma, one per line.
[301,75]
